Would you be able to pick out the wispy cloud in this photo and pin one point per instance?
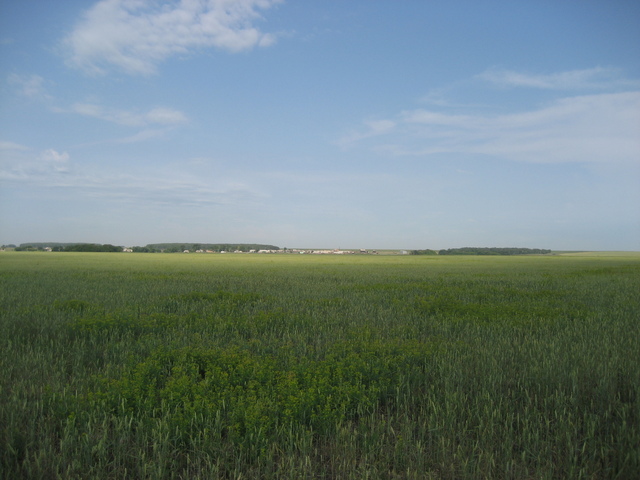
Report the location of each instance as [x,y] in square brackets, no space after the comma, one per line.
[591,128]
[20,163]
[155,116]
[176,190]
[30,86]
[373,129]
[175,186]
[590,78]
[58,161]
[136,35]
[4,145]
[141,136]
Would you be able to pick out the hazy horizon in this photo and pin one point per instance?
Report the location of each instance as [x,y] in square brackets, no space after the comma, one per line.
[325,247]
[382,125]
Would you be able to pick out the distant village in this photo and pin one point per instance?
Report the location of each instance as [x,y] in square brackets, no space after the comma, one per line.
[281,250]
[182,248]
[261,249]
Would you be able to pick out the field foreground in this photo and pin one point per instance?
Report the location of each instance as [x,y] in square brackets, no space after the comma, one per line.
[238,366]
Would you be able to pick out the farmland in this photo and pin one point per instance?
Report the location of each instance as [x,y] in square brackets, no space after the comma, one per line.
[289,366]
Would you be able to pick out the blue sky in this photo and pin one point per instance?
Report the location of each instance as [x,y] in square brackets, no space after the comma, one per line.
[335,124]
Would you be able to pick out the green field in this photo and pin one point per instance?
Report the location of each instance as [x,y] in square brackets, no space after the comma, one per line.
[291,366]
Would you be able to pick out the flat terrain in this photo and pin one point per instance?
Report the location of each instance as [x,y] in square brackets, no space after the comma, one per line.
[121,365]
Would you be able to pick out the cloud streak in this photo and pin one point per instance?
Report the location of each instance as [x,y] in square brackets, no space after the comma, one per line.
[136,35]
[591,78]
[53,169]
[591,129]
[155,116]
[9,146]
[374,128]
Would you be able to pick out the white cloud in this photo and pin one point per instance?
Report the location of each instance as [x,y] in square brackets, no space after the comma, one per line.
[136,35]
[157,116]
[597,77]
[165,116]
[30,86]
[56,160]
[598,129]
[20,163]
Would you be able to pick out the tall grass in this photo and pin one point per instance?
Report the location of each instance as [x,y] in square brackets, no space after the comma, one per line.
[240,366]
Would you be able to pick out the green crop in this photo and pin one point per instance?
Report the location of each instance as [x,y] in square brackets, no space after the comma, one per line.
[291,366]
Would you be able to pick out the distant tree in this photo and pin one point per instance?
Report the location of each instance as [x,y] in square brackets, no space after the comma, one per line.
[27,248]
[143,250]
[92,247]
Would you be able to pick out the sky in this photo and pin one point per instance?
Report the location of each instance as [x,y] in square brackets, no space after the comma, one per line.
[321,124]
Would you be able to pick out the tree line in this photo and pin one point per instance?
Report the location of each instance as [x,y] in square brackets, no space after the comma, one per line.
[90,247]
[486,251]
